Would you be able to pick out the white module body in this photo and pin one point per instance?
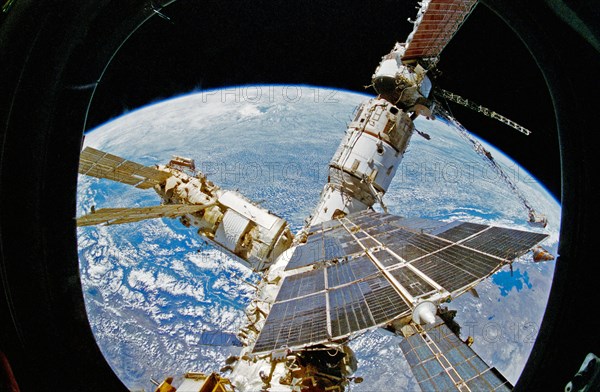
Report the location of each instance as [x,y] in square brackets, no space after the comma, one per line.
[250,233]
[403,84]
[366,161]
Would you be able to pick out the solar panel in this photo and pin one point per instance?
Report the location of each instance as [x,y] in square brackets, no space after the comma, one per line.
[420,225]
[100,164]
[504,243]
[360,234]
[363,305]
[309,253]
[382,299]
[317,236]
[456,267]
[301,284]
[427,243]
[351,247]
[349,311]
[325,245]
[461,231]
[458,256]
[437,22]
[333,248]
[365,222]
[364,214]
[440,361]
[368,242]
[361,219]
[315,228]
[386,236]
[390,219]
[114,216]
[339,233]
[331,224]
[383,227]
[353,307]
[386,259]
[409,245]
[294,323]
[412,282]
[361,266]
[350,271]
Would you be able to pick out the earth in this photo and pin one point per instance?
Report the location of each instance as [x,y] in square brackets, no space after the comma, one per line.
[162,302]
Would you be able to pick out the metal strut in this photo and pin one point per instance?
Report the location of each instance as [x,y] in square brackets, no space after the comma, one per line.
[441,93]
[535,219]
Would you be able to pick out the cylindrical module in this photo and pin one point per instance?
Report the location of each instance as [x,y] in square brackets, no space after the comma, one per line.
[403,84]
[366,160]
[248,232]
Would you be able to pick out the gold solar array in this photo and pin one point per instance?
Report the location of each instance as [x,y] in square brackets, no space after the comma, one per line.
[437,26]
[100,164]
[114,216]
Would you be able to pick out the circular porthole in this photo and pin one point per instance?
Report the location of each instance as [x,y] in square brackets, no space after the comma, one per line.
[55,59]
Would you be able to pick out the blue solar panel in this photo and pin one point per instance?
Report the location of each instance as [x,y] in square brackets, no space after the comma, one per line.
[309,253]
[456,267]
[301,284]
[461,231]
[348,310]
[441,361]
[355,268]
[351,248]
[315,228]
[293,323]
[419,225]
[386,259]
[364,304]
[504,243]
[350,271]
[413,283]
[333,248]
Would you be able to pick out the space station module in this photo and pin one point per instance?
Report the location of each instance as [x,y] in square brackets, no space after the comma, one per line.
[366,161]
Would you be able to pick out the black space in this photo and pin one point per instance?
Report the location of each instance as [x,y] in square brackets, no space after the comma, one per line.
[213,44]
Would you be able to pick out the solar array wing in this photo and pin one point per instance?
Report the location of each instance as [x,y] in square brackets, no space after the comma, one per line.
[369,269]
[441,361]
[330,314]
[115,216]
[101,164]
[502,242]
[297,322]
[364,304]
[309,253]
[437,22]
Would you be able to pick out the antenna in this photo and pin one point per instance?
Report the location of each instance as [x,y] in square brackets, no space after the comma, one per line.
[441,93]
[533,217]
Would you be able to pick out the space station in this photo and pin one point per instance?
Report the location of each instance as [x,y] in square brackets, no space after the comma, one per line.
[353,267]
